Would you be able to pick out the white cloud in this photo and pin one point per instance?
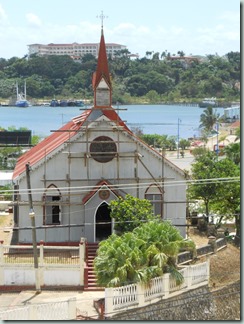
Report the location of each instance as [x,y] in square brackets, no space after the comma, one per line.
[230,16]
[33,20]
[3,15]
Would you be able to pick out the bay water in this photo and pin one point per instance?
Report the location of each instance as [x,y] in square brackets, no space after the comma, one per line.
[171,120]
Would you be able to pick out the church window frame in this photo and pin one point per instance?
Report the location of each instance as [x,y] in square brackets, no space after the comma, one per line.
[154,194]
[52,211]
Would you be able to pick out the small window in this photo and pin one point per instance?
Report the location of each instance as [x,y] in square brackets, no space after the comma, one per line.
[155,196]
[52,206]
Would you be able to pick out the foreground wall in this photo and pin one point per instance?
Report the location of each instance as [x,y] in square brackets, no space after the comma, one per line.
[199,304]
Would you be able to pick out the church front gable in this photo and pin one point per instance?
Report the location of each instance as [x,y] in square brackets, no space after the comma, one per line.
[98,223]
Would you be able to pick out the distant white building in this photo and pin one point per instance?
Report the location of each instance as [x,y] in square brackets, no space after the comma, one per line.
[6,178]
[74,50]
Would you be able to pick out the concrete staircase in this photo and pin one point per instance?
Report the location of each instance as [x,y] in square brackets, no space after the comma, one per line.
[89,275]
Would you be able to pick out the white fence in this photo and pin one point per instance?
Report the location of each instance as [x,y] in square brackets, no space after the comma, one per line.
[64,310]
[136,295]
[57,266]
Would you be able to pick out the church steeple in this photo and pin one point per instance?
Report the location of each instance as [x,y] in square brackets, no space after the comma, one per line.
[101,82]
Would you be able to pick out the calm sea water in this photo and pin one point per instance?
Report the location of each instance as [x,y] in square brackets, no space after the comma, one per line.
[152,119]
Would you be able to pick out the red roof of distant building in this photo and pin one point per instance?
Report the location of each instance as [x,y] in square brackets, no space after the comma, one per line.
[235,124]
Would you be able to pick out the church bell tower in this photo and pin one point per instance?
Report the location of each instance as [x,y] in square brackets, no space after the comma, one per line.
[101,82]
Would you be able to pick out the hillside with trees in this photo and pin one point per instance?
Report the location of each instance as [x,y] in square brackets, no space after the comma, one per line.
[154,78]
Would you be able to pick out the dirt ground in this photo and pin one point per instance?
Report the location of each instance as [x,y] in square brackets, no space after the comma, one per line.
[6,224]
[224,265]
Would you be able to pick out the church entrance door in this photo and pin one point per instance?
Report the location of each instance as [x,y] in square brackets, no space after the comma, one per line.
[103,225]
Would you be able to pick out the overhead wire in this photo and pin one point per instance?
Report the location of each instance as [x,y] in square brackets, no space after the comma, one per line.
[165,183]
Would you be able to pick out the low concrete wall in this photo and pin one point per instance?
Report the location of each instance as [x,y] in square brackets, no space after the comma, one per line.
[198,304]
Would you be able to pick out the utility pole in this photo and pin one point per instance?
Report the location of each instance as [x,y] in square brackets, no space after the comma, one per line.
[33,225]
[217,145]
[178,139]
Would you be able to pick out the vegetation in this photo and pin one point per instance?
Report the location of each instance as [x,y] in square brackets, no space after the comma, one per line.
[130,212]
[138,256]
[208,119]
[217,184]
[154,78]
[9,154]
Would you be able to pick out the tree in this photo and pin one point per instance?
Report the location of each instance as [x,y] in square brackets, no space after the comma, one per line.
[208,118]
[217,183]
[138,256]
[233,153]
[130,212]
[202,170]
[226,201]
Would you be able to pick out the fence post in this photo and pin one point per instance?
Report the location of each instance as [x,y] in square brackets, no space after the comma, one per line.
[1,263]
[108,301]
[32,312]
[41,253]
[82,259]
[208,268]
[72,309]
[140,295]
[41,263]
[166,285]
[189,276]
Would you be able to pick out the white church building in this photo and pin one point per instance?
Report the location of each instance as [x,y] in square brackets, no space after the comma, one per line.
[80,168]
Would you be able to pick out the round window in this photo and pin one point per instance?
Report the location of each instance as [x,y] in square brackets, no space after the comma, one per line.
[103,149]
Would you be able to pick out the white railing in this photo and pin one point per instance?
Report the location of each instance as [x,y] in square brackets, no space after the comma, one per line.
[64,310]
[137,295]
[57,265]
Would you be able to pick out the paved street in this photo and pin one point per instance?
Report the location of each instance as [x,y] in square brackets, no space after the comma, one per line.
[84,300]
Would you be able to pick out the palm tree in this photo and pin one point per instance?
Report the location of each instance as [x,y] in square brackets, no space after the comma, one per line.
[208,119]
[138,256]
[233,153]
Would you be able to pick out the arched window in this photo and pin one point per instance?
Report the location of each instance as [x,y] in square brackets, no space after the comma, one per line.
[155,195]
[52,206]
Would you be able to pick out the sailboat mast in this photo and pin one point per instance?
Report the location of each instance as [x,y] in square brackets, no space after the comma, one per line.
[25,90]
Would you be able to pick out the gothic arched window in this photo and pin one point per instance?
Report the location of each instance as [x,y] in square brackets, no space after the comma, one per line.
[155,195]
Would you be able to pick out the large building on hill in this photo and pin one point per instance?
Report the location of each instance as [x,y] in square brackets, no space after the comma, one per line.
[80,168]
[74,50]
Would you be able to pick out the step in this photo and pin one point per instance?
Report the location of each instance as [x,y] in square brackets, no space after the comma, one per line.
[91,284]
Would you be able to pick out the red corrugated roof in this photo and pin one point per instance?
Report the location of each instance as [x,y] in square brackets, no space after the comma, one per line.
[49,144]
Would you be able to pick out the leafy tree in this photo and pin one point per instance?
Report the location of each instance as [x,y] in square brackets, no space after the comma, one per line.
[130,212]
[233,152]
[210,185]
[183,144]
[138,256]
[7,192]
[171,79]
[226,201]
[203,188]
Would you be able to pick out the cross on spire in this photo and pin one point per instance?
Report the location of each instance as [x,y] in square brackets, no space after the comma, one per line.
[102,17]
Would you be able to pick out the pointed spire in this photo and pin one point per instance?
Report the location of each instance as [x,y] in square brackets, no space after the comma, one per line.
[101,78]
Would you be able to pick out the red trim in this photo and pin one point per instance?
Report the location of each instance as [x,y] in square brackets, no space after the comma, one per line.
[95,190]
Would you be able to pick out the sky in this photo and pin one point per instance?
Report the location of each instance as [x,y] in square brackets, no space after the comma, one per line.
[192,26]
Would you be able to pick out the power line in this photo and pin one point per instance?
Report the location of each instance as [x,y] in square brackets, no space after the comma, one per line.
[165,183]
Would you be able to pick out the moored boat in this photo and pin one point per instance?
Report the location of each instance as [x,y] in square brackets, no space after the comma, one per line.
[21,98]
[207,102]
